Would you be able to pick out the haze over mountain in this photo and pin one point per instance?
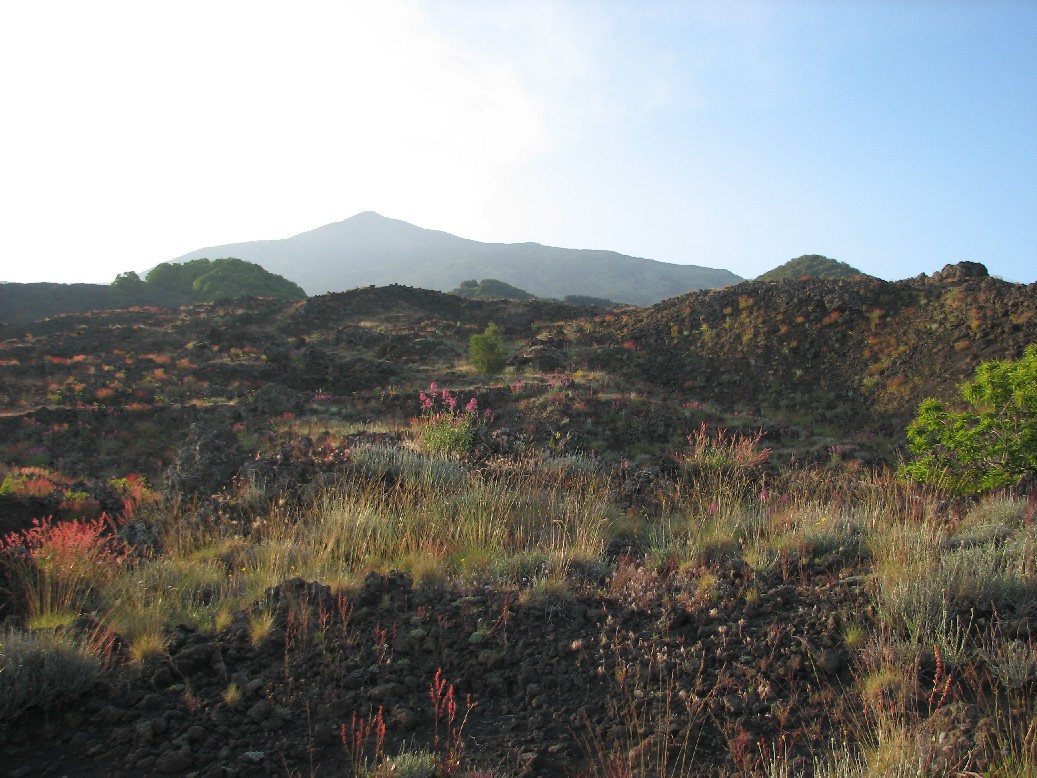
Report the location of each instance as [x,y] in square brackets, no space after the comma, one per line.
[371,249]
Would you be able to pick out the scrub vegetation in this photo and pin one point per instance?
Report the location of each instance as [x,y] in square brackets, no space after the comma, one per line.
[316,539]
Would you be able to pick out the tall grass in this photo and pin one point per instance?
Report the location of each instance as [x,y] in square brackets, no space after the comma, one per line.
[57,569]
[43,668]
[930,577]
[359,525]
[930,580]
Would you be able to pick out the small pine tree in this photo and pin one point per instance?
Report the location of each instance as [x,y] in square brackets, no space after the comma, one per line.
[990,442]
[487,352]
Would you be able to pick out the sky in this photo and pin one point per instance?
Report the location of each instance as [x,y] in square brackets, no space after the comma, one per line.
[895,135]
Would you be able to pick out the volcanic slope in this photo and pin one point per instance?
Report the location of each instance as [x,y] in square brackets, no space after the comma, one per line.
[371,249]
[850,353]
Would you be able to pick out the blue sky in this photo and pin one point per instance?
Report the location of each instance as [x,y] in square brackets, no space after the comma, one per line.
[895,136]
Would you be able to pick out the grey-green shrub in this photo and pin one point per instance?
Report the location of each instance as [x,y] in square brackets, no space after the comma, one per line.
[43,669]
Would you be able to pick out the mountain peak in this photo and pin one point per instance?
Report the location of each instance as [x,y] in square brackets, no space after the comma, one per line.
[811,266]
[370,249]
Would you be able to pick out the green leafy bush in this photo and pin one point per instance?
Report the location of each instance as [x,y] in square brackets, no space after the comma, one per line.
[204,279]
[487,352]
[988,440]
[491,289]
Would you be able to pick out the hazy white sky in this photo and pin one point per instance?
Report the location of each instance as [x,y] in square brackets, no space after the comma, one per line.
[894,135]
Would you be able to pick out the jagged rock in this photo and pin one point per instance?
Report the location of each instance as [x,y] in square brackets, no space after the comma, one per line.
[276,399]
[962,271]
[205,464]
[175,761]
[542,358]
[297,591]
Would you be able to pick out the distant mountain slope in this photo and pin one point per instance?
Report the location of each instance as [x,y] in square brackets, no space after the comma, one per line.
[369,249]
[167,286]
[23,303]
[811,266]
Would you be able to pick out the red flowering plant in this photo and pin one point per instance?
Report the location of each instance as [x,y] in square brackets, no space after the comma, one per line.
[56,565]
[443,427]
[30,482]
[135,492]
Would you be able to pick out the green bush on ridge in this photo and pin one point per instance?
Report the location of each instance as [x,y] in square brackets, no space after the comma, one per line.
[205,280]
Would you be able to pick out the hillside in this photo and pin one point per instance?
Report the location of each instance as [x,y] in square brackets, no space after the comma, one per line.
[810,266]
[165,286]
[490,289]
[850,353]
[260,536]
[369,249]
[23,303]
[835,360]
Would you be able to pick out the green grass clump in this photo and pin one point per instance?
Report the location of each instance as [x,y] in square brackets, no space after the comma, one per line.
[43,669]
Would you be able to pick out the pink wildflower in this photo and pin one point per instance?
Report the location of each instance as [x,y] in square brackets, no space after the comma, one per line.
[472,407]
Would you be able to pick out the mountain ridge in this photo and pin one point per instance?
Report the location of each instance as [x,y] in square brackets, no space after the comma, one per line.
[371,249]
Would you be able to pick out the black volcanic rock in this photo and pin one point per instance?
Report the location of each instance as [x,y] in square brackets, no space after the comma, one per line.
[961,272]
[205,464]
[852,353]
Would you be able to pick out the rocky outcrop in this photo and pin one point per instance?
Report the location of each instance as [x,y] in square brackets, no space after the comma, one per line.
[205,464]
[962,271]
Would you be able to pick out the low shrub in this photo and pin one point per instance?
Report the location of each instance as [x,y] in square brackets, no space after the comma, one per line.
[46,668]
[986,441]
[442,427]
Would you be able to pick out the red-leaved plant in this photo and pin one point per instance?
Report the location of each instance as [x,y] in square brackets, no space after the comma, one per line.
[55,565]
[446,738]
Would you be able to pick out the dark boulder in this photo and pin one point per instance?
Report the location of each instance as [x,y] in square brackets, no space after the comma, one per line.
[205,464]
[962,271]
